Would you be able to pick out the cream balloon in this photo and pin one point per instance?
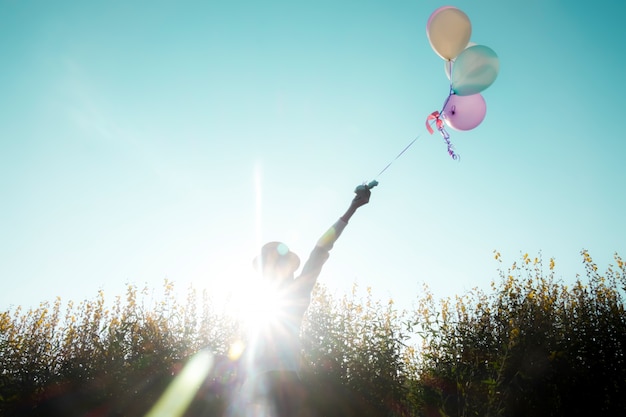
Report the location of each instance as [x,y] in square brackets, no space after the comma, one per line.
[449,31]
[435,13]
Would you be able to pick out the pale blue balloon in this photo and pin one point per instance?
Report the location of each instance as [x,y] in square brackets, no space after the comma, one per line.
[475,69]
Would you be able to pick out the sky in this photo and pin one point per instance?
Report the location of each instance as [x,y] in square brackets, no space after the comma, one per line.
[151,140]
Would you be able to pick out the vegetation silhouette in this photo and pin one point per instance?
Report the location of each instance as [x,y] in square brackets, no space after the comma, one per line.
[529,345]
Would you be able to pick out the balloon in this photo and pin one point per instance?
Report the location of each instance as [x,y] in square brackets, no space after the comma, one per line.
[435,13]
[447,66]
[464,112]
[475,69]
[449,31]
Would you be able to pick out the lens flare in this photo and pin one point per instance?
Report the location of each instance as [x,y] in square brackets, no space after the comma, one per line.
[179,394]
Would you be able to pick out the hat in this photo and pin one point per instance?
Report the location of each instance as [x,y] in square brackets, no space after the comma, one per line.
[276,254]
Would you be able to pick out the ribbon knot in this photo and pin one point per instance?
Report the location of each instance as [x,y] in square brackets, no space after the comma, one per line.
[436,116]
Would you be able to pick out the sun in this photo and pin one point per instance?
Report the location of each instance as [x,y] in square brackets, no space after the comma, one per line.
[257,304]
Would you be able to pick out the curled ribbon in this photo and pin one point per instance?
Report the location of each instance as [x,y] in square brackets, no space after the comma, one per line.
[436,116]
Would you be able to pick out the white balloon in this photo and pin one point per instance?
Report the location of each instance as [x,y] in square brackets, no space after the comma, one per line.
[448,31]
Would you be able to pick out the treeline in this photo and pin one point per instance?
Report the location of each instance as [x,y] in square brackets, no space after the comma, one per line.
[528,346]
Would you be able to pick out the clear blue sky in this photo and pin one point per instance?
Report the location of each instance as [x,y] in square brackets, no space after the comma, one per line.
[141,140]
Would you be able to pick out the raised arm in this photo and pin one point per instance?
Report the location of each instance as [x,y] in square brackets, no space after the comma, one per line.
[361,198]
[320,253]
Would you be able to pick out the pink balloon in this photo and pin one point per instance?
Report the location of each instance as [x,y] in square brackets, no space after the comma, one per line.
[435,13]
[464,112]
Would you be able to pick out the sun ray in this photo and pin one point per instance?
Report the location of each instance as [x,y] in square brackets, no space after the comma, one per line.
[258,206]
[180,393]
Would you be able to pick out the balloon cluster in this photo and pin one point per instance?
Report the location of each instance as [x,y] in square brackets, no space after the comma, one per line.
[471,68]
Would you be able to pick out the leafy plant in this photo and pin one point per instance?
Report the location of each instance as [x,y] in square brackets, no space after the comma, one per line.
[530,345]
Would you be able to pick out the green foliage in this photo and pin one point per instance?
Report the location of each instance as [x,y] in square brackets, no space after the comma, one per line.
[360,343]
[103,354]
[531,347]
[528,346]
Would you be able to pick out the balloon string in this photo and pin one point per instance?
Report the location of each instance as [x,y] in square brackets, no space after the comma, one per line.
[445,103]
[440,126]
[446,135]
[436,118]
[398,156]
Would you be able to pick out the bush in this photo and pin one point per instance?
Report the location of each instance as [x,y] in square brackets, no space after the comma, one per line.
[531,347]
[120,357]
[359,343]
